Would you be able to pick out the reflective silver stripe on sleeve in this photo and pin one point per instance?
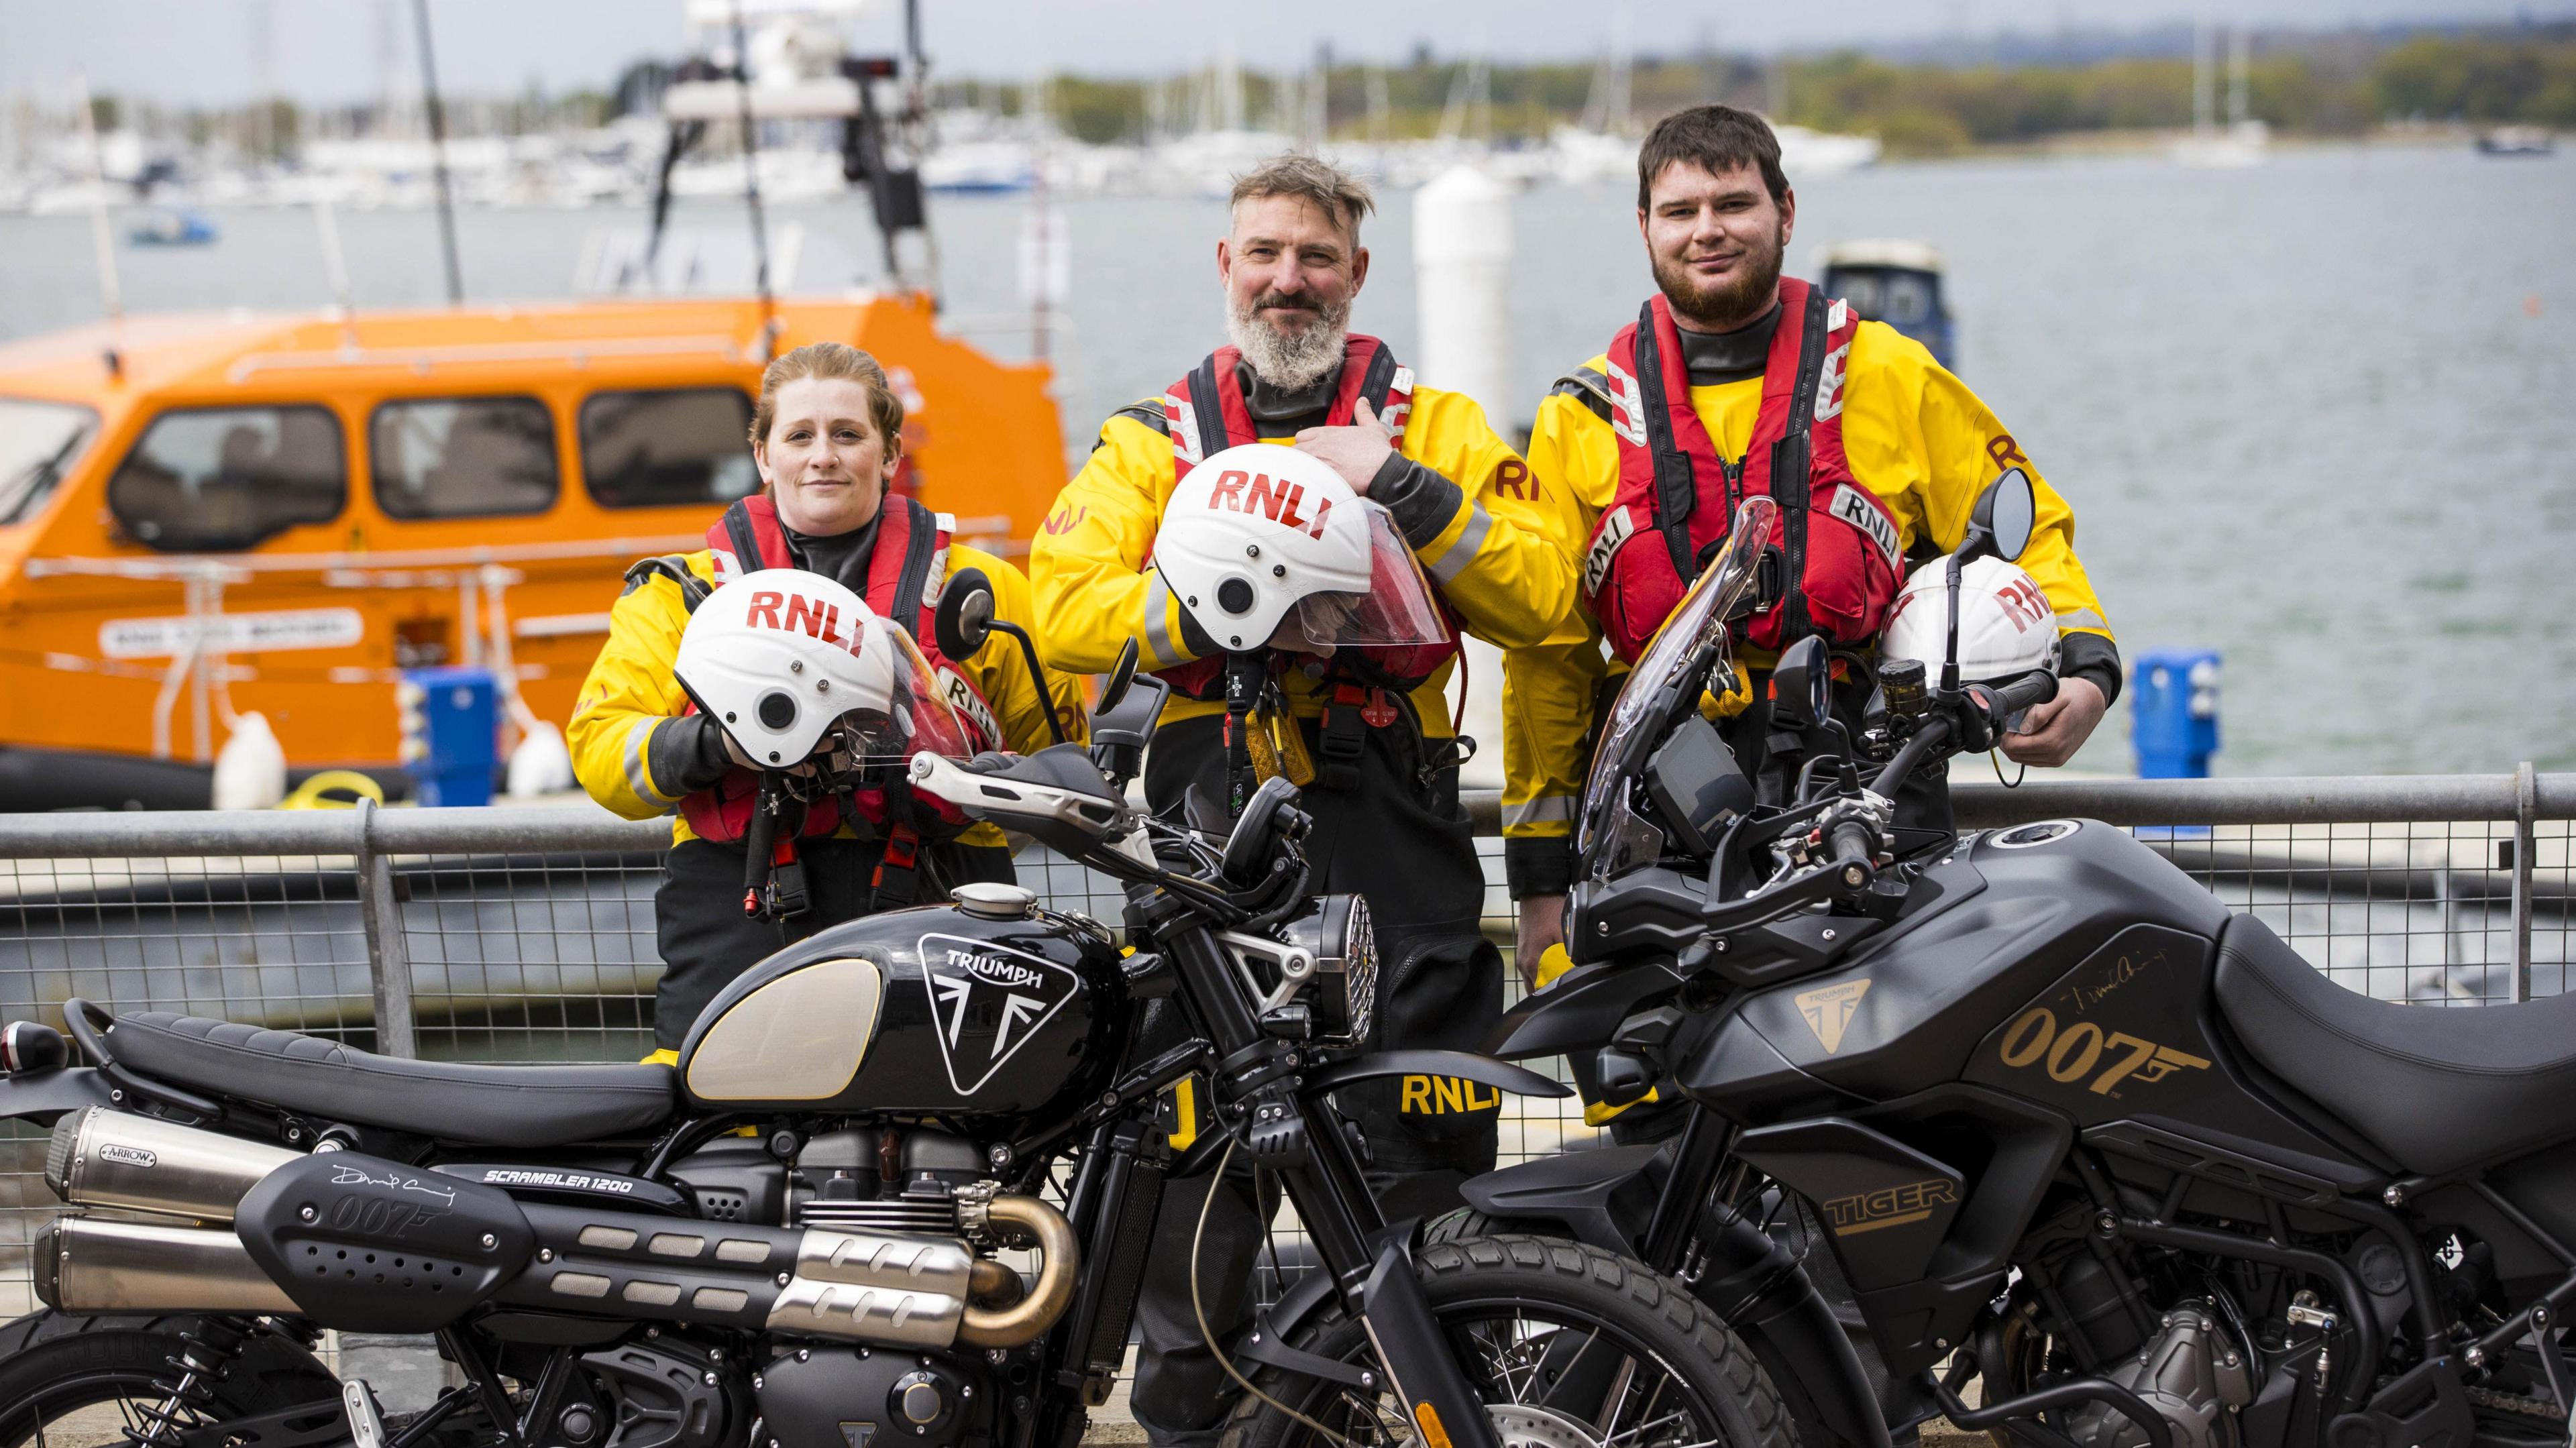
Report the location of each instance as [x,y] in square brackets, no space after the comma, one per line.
[1471,541]
[1546,809]
[2082,618]
[1158,632]
[638,740]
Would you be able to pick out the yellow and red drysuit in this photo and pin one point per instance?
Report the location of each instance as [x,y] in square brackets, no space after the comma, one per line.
[640,751]
[1922,443]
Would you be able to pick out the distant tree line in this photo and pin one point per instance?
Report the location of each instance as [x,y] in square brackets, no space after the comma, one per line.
[2527,74]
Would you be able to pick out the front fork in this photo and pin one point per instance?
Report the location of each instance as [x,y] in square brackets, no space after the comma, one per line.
[1372,1266]
[1294,1131]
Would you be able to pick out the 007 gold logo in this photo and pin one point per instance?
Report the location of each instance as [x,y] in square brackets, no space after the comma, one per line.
[2085,1050]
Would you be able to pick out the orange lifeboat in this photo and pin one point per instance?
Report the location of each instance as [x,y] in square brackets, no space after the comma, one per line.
[202,516]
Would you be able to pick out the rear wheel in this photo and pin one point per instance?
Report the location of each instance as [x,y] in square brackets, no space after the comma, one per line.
[1567,1345]
[74,1380]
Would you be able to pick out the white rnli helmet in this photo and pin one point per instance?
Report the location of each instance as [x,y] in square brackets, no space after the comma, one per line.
[1264,544]
[780,656]
[2006,627]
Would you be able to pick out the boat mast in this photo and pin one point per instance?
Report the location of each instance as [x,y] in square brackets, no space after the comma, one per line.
[438,154]
[751,190]
[111,290]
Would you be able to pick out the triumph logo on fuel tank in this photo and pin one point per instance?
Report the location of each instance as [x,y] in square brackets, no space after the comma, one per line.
[988,1000]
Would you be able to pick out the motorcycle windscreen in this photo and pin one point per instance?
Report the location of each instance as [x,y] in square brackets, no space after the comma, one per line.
[902,709]
[1677,649]
[1397,610]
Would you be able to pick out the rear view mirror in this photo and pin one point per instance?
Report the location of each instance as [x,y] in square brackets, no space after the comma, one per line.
[965,618]
[1802,684]
[2001,524]
[1122,723]
[1121,675]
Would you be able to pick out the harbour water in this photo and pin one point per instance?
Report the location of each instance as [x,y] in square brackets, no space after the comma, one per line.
[2319,414]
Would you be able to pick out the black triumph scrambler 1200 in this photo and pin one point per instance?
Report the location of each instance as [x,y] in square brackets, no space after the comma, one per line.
[2029,1106]
[791,1241]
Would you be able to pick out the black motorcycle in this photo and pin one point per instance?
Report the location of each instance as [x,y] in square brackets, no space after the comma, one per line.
[797,1238]
[2029,1107]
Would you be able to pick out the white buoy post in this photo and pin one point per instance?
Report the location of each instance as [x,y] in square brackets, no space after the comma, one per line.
[1462,259]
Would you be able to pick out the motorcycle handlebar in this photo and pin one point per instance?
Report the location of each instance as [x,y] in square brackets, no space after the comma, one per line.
[1854,844]
[2022,693]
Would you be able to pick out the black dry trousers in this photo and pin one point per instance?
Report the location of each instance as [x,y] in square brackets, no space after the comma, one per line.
[1387,827]
[706,940]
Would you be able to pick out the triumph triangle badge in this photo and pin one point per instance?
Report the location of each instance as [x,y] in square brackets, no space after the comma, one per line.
[988,1001]
[1829,1011]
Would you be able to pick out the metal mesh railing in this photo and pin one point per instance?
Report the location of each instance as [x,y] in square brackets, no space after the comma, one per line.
[527,934]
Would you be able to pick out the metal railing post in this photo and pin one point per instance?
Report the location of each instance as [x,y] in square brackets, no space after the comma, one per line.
[388,953]
[2526,810]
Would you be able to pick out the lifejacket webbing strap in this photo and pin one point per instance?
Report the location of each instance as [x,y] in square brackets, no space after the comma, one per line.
[1791,457]
[1676,489]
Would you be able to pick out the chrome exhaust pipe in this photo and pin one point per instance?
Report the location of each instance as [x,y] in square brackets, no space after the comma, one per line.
[102,1158]
[83,1264]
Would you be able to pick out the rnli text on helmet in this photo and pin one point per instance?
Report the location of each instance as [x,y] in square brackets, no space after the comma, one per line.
[803,615]
[1248,492]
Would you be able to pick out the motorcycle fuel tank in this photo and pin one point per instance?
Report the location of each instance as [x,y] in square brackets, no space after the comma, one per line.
[1906,1011]
[915,1012]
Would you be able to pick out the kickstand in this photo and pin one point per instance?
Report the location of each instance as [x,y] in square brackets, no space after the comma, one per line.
[2544,1341]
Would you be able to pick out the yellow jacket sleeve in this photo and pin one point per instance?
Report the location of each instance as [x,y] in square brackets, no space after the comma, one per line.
[1000,673]
[1551,688]
[1470,513]
[625,749]
[1928,446]
[1087,564]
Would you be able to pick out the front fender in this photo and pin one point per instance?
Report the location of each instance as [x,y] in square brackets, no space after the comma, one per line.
[1483,1070]
[1602,1197]
[1760,1288]
[44,1096]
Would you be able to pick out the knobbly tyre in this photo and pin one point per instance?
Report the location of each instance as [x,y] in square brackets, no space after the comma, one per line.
[791,1240]
[2029,1107]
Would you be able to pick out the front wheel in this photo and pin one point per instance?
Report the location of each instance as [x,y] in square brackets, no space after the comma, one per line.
[1567,1345]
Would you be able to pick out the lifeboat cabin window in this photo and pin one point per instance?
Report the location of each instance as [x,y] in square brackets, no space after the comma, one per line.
[463,457]
[684,447]
[216,479]
[38,441]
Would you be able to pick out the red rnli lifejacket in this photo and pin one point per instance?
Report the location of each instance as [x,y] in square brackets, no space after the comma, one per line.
[1839,562]
[905,570]
[1205,414]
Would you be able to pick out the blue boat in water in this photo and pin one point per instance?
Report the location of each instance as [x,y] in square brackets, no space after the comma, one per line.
[174,228]
[1896,282]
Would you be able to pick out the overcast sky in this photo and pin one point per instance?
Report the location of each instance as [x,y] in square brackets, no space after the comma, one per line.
[199,51]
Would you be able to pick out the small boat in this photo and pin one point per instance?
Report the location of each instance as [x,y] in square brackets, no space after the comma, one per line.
[174,228]
[2517,141]
[1896,282]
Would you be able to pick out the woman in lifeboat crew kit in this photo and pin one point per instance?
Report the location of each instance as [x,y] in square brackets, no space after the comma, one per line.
[827,435]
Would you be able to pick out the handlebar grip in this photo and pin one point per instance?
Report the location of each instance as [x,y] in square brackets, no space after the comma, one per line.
[1853,845]
[2023,693]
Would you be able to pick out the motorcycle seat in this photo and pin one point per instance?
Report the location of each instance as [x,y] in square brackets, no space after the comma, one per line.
[452,1101]
[2435,1088]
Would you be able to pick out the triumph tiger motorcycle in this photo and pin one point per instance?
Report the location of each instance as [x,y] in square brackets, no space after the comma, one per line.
[2029,1107]
[796,1238]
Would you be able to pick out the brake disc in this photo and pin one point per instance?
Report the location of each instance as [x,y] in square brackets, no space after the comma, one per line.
[1520,1425]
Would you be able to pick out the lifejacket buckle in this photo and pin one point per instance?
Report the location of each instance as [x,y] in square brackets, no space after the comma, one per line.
[1344,737]
[788,897]
[894,882]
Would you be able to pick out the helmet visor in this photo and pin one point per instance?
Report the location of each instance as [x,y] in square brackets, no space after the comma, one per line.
[902,708]
[1397,611]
